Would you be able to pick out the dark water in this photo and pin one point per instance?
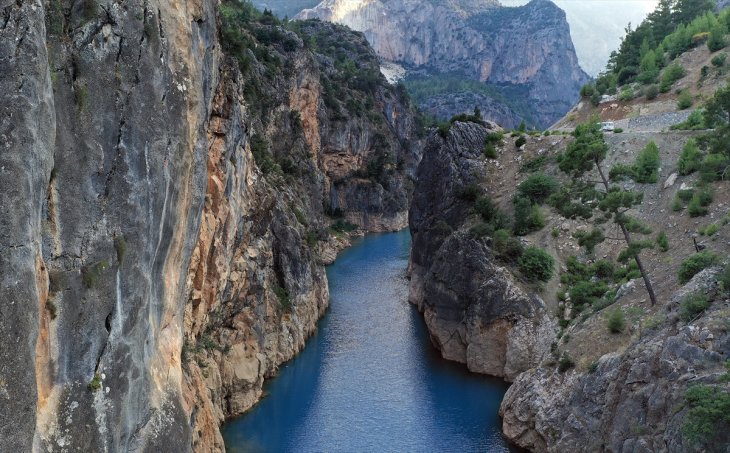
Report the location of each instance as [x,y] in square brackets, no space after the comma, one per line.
[369,380]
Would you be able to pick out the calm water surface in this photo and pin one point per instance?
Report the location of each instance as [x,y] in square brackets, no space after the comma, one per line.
[369,379]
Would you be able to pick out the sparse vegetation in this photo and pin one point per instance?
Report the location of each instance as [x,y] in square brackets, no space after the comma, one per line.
[521,140]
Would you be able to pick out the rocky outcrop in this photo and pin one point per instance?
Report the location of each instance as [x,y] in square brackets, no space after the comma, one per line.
[476,311]
[163,208]
[524,53]
[634,400]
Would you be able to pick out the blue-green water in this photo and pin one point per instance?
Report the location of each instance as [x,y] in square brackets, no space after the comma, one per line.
[369,379]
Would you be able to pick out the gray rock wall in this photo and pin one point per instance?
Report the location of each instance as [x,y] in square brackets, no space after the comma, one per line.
[475,310]
[153,276]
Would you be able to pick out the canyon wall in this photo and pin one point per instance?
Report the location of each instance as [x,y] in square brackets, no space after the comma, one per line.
[476,312]
[167,207]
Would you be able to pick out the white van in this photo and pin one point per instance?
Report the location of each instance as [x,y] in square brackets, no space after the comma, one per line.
[607,126]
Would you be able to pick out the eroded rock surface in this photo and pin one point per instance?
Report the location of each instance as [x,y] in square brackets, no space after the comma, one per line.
[154,268]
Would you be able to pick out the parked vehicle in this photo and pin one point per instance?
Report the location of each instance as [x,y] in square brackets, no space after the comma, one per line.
[607,126]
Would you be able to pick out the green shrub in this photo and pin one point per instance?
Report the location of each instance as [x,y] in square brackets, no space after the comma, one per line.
[716,40]
[662,241]
[586,293]
[690,159]
[538,187]
[95,383]
[343,226]
[481,229]
[618,130]
[695,208]
[719,60]
[671,74]
[262,155]
[565,363]
[647,164]
[120,245]
[283,295]
[521,140]
[587,90]
[536,264]
[652,91]
[533,165]
[626,95]
[486,208]
[442,228]
[52,310]
[490,151]
[589,240]
[695,264]
[507,247]
[709,413]
[693,305]
[528,217]
[714,167]
[90,274]
[470,192]
[684,100]
[616,322]
[695,122]
[443,129]
[724,279]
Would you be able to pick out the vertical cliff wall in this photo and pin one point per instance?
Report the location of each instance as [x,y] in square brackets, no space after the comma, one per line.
[162,231]
[476,311]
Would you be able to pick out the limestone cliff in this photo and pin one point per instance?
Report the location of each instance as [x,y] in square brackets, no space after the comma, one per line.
[476,311]
[523,56]
[164,211]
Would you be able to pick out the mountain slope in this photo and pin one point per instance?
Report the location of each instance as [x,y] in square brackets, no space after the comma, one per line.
[523,55]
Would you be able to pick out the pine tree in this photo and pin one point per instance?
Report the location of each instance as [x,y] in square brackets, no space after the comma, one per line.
[587,152]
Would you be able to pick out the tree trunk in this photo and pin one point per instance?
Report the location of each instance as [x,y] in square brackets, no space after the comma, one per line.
[627,236]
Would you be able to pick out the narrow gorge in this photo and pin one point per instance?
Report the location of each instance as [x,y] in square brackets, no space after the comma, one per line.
[223,229]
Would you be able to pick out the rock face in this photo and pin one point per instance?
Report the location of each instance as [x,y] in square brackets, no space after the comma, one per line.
[475,310]
[163,207]
[633,401]
[524,53]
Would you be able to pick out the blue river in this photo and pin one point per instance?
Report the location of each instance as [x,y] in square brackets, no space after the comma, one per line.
[369,380]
